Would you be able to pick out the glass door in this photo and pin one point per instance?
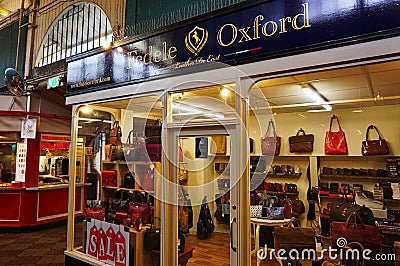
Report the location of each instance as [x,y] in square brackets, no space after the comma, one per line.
[205,167]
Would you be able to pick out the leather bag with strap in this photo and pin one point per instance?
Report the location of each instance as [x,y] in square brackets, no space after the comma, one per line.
[270,145]
[335,141]
[374,147]
[302,142]
[116,134]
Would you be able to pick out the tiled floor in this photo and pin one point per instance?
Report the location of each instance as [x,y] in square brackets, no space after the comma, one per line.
[43,245]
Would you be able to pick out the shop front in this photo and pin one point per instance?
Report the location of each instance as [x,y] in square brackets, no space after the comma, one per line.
[34,169]
[189,109]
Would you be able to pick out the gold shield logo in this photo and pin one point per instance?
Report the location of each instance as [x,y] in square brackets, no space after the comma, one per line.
[196,39]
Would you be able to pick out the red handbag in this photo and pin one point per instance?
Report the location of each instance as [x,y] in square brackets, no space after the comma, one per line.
[270,145]
[142,210]
[95,213]
[335,142]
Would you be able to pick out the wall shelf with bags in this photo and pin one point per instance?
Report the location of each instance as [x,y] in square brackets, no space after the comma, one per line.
[360,178]
[128,176]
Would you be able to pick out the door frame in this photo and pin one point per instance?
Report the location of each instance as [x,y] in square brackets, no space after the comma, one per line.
[169,236]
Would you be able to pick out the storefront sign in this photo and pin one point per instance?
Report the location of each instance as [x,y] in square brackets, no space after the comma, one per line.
[256,33]
[107,242]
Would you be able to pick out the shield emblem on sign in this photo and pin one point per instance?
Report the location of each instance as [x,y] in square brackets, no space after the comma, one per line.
[196,39]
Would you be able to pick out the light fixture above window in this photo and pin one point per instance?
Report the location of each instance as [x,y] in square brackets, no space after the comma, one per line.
[314,95]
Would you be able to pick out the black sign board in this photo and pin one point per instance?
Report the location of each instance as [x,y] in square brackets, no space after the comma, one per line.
[259,32]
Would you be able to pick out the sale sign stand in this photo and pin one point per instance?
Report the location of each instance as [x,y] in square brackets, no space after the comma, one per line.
[107,242]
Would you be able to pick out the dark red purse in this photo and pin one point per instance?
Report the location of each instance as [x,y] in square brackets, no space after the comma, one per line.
[374,147]
[142,210]
[335,142]
[270,145]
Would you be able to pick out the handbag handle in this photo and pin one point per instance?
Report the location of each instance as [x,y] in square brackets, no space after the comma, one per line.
[337,119]
[271,125]
[128,140]
[376,129]
[300,131]
[357,216]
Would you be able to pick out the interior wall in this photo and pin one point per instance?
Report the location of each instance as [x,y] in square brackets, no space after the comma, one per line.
[385,118]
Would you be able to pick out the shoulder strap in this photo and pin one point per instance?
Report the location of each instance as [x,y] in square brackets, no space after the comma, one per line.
[337,119]
[271,125]
[376,129]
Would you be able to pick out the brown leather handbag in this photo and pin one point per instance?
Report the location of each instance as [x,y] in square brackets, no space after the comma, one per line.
[374,147]
[116,134]
[301,142]
[291,237]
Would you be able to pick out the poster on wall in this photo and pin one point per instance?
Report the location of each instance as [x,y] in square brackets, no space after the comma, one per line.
[28,129]
[107,242]
[20,164]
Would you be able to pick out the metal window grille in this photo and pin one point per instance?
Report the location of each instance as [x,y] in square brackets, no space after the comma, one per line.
[79,28]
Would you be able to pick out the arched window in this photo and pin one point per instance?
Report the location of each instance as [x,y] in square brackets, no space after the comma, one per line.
[77,29]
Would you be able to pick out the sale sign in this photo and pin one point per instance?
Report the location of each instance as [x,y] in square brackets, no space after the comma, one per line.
[107,242]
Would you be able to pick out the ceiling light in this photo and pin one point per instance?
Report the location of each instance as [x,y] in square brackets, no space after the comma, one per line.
[313,94]
[108,121]
[86,109]
[107,44]
[120,49]
[224,92]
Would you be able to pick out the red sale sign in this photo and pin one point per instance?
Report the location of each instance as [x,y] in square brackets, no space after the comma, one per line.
[107,242]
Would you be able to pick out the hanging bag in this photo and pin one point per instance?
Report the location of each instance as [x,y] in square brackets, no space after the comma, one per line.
[116,134]
[301,142]
[374,147]
[270,145]
[335,142]
[220,144]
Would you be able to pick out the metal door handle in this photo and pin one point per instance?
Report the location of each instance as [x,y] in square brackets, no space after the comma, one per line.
[231,226]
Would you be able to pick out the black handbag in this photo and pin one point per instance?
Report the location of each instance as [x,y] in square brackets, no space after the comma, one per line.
[151,240]
[129,180]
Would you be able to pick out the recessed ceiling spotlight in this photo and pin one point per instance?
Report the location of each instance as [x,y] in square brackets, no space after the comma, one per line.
[86,109]
[224,92]
[120,49]
[107,44]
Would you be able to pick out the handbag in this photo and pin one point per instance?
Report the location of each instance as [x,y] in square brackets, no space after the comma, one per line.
[335,142]
[116,134]
[270,145]
[95,213]
[153,131]
[301,143]
[287,204]
[129,180]
[298,207]
[367,235]
[275,213]
[291,237]
[255,211]
[151,240]
[220,144]
[374,147]
[142,210]
[147,181]
[131,149]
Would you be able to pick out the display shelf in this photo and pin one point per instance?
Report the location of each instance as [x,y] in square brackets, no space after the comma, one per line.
[362,178]
[128,189]
[283,176]
[389,200]
[279,193]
